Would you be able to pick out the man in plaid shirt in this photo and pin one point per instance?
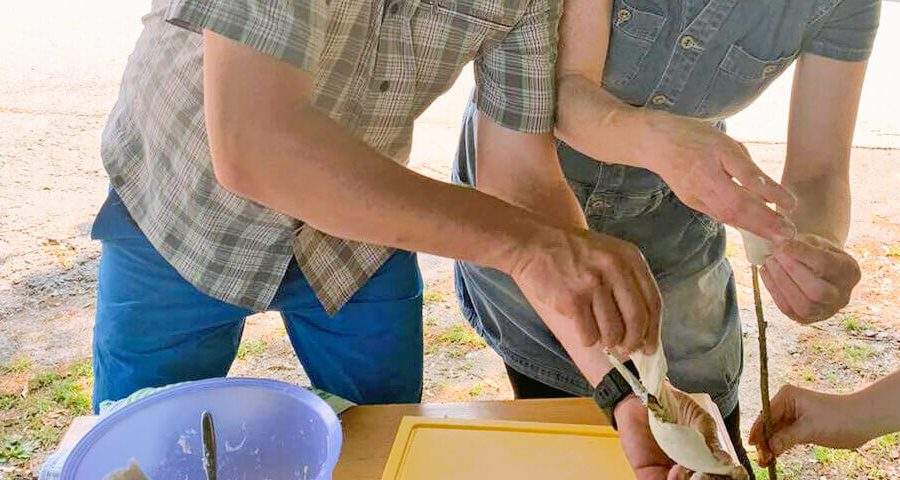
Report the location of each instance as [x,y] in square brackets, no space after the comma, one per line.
[256,161]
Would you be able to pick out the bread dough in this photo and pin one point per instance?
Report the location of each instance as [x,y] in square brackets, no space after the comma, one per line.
[132,472]
[683,444]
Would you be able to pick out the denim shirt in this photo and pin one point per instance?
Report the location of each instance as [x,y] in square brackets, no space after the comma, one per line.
[711,58]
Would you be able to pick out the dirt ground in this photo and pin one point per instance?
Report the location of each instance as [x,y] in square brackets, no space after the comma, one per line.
[52,183]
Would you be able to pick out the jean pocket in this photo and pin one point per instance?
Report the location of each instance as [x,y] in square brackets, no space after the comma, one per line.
[739,79]
[633,33]
[622,192]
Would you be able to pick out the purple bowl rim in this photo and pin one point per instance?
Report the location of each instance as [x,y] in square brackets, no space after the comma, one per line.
[319,406]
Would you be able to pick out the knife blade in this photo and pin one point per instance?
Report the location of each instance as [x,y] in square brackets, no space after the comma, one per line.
[209,445]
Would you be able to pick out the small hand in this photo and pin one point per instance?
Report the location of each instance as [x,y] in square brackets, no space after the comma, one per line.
[810,278]
[802,416]
[646,458]
[700,164]
[588,287]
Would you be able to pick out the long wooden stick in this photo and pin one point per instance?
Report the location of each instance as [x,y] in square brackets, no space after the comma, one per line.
[763,366]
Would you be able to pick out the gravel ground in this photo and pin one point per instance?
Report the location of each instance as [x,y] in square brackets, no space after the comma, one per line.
[53,103]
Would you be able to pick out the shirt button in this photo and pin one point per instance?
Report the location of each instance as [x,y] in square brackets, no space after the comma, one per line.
[688,42]
[659,99]
[384,86]
[395,7]
[623,15]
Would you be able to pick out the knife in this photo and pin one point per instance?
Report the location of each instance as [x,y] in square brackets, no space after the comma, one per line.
[209,445]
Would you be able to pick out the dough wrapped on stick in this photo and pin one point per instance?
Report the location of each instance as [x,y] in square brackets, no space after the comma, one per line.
[688,433]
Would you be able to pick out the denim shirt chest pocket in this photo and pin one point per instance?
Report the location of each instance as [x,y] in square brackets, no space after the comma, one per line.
[739,79]
[634,32]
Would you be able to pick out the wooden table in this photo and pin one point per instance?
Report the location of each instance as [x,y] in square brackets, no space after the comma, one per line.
[369,431]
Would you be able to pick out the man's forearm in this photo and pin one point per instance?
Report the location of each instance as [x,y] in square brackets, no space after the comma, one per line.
[539,186]
[310,168]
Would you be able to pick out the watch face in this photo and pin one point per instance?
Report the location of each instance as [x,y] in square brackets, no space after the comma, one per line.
[612,389]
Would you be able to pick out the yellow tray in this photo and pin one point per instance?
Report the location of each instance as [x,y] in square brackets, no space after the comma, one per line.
[447,449]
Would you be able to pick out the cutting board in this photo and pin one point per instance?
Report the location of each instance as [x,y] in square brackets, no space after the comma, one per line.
[447,449]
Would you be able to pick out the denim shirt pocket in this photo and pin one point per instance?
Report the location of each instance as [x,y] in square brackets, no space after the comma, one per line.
[739,79]
[633,33]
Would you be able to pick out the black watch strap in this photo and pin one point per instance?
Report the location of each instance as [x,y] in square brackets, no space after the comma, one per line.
[612,390]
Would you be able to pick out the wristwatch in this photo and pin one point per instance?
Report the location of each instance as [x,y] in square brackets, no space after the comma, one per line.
[612,390]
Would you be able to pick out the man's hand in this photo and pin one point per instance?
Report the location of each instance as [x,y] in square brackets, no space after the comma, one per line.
[802,416]
[703,166]
[588,286]
[810,278]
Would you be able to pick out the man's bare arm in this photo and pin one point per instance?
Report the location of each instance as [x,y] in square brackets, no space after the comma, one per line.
[524,170]
[270,145]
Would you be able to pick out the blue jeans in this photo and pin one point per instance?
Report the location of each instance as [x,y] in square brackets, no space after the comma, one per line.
[685,249]
[153,328]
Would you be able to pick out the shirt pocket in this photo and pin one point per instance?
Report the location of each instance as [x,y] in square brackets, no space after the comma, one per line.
[447,35]
[739,79]
[634,32]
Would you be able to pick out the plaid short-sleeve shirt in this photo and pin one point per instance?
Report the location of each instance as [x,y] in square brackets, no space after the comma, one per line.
[377,65]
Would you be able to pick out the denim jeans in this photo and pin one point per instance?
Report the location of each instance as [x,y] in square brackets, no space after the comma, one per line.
[685,249]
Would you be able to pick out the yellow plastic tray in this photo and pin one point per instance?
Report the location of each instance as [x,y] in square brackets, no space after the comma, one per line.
[447,449]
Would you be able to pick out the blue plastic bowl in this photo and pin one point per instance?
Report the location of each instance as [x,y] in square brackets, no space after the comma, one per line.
[264,430]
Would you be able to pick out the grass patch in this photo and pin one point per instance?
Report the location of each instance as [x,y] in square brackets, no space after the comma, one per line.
[785,470]
[15,449]
[36,420]
[846,463]
[893,251]
[831,456]
[853,324]
[857,353]
[875,473]
[19,365]
[456,339]
[476,391]
[431,297]
[808,375]
[889,441]
[825,346]
[253,348]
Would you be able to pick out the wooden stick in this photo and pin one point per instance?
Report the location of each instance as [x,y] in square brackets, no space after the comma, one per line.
[763,366]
